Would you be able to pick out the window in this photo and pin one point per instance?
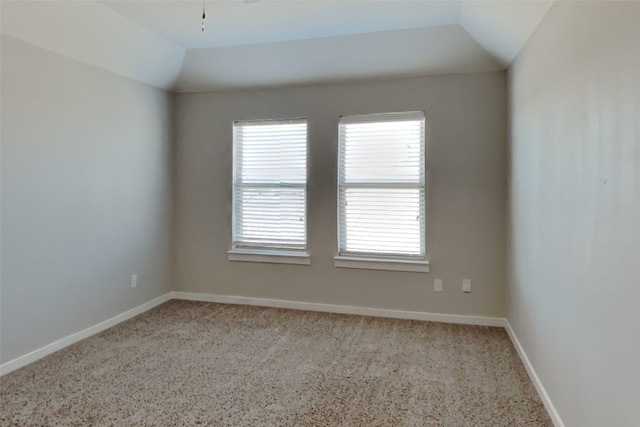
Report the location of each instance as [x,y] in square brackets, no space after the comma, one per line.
[381,192]
[270,191]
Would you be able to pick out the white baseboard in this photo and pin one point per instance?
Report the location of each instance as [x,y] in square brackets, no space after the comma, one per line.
[31,357]
[542,392]
[342,309]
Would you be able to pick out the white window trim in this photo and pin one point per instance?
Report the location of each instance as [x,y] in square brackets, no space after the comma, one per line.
[270,256]
[388,264]
[266,254]
[366,261]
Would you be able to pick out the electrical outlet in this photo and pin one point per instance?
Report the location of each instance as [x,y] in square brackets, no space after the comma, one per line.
[134,280]
[466,285]
[437,285]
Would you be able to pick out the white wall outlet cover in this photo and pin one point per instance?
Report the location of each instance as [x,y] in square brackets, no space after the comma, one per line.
[134,280]
[437,285]
[466,285]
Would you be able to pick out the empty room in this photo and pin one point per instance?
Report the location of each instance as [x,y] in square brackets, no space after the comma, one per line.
[320,213]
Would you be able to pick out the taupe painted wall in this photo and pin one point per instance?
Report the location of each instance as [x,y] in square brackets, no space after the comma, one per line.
[574,289]
[467,138]
[85,196]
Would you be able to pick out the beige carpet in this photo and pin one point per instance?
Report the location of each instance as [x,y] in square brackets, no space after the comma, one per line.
[188,363]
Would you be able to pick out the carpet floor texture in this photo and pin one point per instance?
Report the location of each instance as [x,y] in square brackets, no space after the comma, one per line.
[192,363]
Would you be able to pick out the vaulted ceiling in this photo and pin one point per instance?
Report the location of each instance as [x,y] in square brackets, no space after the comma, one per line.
[276,42]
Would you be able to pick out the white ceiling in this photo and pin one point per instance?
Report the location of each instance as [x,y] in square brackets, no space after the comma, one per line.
[277,42]
[503,27]
[234,22]
[402,53]
[91,33]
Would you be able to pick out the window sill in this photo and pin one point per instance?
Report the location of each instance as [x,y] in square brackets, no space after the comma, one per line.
[270,256]
[381,264]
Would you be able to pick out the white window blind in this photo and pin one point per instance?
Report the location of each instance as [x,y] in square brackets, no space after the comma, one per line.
[270,184]
[381,186]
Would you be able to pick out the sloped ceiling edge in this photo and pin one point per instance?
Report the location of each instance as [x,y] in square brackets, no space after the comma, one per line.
[94,34]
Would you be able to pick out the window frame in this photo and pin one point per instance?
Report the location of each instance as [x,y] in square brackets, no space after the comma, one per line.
[382,261]
[269,253]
